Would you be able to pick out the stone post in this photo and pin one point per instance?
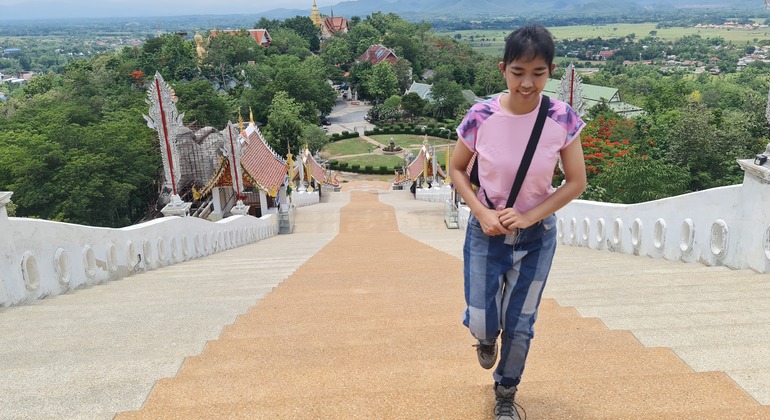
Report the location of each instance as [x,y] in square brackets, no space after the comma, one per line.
[5,198]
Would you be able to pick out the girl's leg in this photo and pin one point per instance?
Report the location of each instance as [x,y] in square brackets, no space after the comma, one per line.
[483,272]
[524,284]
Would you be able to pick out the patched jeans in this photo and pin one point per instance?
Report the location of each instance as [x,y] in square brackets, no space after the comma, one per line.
[503,286]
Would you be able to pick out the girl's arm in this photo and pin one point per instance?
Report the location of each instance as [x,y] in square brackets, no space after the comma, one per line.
[488,218]
[575,177]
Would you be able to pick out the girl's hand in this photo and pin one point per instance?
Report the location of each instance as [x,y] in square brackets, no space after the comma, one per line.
[511,219]
[490,223]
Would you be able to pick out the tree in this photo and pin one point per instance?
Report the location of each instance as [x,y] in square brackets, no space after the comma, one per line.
[412,104]
[226,51]
[382,82]
[202,104]
[335,51]
[488,79]
[286,41]
[305,28]
[448,96]
[638,179]
[284,124]
[314,137]
[361,37]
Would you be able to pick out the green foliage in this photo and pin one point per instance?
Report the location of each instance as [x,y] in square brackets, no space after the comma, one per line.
[636,180]
[335,51]
[382,82]
[284,124]
[304,27]
[314,137]
[202,105]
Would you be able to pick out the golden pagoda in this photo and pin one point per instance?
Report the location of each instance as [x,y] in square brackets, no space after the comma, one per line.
[315,16]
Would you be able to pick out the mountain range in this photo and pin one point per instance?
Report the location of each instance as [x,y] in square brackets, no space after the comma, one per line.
[409,9]
[503,8]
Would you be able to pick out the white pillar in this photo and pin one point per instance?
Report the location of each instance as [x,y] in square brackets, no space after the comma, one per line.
[263,202]
[5,198]
[216,200]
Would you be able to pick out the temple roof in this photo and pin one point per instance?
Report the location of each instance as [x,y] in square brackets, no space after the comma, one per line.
[335,24]
[415,168]
[316,170]
[377,54]
[266,169]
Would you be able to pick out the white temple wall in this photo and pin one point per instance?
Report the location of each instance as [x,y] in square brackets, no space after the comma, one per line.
[43,258]
[727,226]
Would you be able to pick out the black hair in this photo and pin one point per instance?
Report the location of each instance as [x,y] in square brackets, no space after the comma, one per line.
[529,42]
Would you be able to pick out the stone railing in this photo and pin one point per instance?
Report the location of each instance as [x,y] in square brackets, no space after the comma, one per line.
[727,226]
[42,258]
[304,198]
[434,194]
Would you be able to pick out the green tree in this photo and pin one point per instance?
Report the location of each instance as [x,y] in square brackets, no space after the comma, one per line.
[284,124]
[638,179]
[413,105]
[382,82]
[314,137]
[305,28]
[361,37]
[202,105]
[335,51]
[286,41]
[448,96]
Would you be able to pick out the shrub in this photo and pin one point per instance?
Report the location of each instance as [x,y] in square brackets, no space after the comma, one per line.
[355,167]
[343,165]
[345,133]
[384,169]
[368,169]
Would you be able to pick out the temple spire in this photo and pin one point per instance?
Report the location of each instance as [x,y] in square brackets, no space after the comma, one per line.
[315,16]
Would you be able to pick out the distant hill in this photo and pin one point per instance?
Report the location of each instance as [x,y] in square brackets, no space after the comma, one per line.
[500,8]
[409,9]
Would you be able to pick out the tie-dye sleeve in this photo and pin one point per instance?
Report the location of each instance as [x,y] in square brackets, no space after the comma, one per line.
[468,129]
[574,125]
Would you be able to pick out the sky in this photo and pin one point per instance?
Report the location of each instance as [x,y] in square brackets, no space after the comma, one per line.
[46,9]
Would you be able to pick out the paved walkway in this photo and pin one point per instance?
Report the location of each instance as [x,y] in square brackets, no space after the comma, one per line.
[366,325]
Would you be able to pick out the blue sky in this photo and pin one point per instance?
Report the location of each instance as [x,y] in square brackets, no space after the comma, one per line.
[108,8]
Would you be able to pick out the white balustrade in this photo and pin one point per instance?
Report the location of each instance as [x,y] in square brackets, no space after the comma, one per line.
[42,258]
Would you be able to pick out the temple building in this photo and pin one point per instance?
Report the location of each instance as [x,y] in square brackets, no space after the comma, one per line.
[377,54]
[328,25]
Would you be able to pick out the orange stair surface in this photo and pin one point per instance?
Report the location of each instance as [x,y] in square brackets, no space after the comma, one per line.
[369,328]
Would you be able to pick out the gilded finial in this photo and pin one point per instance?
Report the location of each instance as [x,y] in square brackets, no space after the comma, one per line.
[251,116]
[240,121]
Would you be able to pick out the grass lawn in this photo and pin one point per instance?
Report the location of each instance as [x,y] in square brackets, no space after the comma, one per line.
[374,160]
[357,146]
[410,141]
[343,147]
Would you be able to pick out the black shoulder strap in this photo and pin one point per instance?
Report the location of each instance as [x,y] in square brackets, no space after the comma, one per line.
[537,130]
[526,160]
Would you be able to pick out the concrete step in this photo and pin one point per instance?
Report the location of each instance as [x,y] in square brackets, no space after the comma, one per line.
[704,335]
[695,320]
[617,397]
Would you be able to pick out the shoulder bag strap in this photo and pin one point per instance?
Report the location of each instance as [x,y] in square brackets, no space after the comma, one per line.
[537,130]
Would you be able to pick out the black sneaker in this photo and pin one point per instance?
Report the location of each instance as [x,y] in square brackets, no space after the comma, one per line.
[487,354]
[504,405]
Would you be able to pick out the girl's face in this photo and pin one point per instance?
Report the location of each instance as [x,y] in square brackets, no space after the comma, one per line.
[525,81]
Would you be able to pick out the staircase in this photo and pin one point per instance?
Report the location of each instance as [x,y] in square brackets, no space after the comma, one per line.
[370,327]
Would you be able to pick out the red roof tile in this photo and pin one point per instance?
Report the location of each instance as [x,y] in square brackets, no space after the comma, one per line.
[377,54]
[264,167]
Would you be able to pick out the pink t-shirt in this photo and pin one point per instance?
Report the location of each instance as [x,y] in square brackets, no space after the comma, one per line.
[500,139]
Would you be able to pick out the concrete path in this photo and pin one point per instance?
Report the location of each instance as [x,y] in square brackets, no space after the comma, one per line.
[366,325]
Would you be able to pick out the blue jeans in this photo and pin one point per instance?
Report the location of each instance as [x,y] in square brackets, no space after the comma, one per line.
[503,286]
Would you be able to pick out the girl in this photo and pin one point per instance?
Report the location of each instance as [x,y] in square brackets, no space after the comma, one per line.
[508,251]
